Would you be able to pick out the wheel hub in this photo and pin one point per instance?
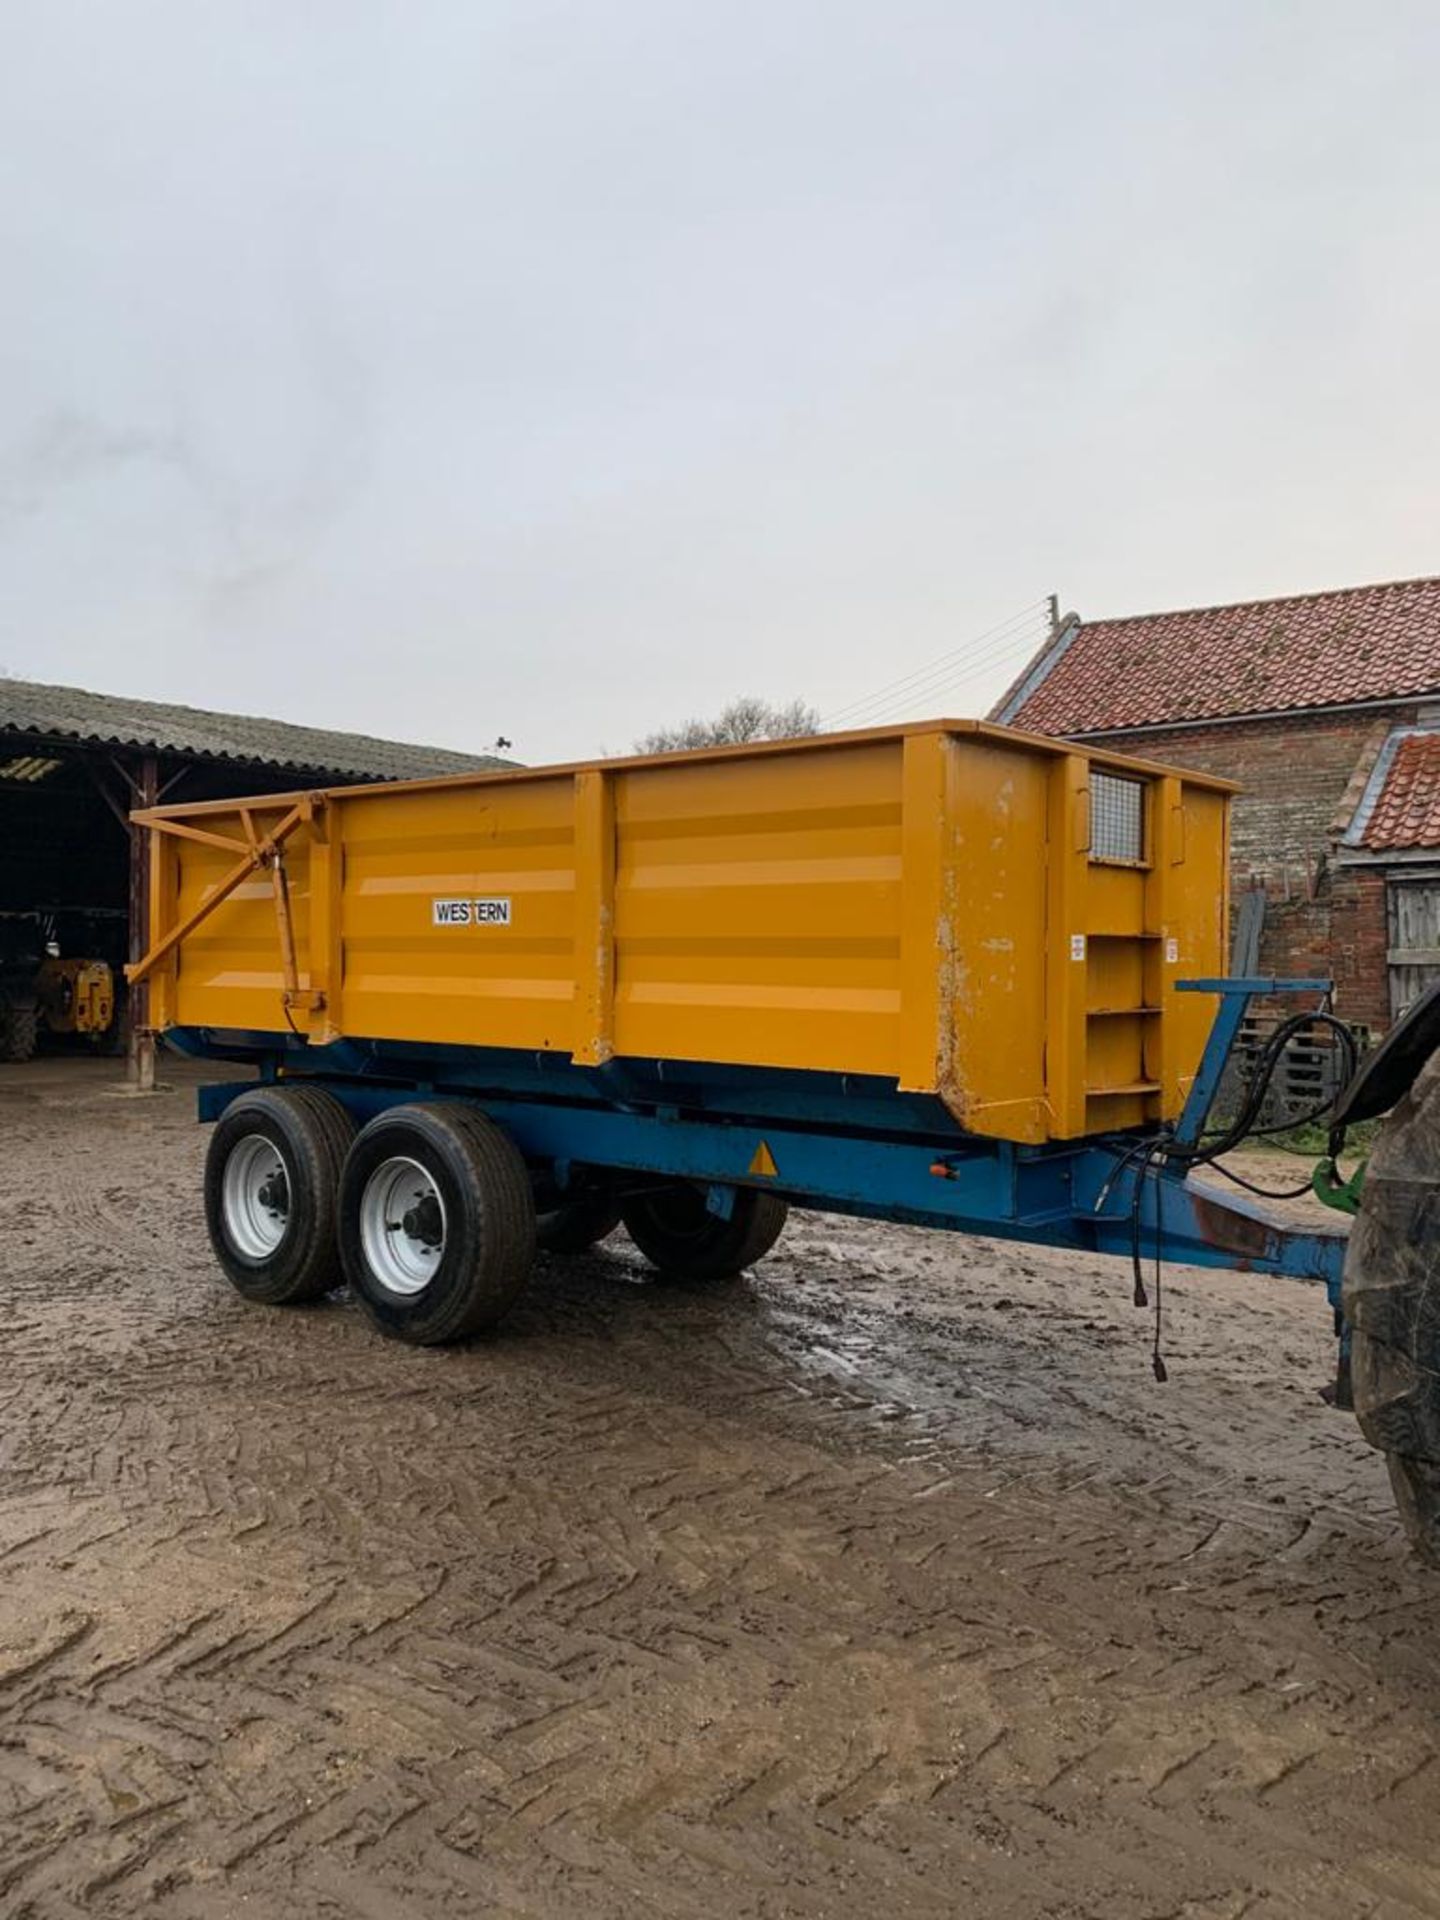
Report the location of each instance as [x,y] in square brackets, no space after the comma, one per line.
[274,1194]
[402,1226]
[255,1198]
[424,1221]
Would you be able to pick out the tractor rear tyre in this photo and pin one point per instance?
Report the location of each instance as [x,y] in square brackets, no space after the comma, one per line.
[272,1181]
[676,1232]
[1416,1486]
[1391,1300]
[19,1030]
[437,1222]
[577,1225]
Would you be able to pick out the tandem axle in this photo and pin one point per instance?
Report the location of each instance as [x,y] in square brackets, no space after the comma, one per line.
[1113,1195]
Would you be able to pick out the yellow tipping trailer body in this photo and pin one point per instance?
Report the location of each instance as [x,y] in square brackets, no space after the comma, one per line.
[991,917]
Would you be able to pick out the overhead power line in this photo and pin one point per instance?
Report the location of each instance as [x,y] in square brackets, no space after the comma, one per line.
[1018,640]
[948,670]
[944,663]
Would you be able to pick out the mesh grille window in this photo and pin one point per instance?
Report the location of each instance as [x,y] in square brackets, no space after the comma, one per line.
[1117,818]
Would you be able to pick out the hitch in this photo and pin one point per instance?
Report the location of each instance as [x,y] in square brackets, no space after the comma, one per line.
[1343,1195]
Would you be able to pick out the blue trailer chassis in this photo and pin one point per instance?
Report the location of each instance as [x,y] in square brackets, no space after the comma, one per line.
[826,1142]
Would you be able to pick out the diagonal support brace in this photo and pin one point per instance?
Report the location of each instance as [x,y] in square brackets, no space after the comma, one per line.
[260,849]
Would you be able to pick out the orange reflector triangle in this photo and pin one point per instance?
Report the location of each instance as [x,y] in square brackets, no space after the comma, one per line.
[763,1165]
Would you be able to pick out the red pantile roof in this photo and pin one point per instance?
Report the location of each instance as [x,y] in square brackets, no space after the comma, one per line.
[1259,656]
[1406,811]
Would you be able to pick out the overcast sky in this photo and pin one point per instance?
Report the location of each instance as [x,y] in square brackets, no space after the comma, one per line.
[453,367]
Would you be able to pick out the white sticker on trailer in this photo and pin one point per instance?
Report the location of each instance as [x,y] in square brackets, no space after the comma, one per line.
[1077,946]
[470,913]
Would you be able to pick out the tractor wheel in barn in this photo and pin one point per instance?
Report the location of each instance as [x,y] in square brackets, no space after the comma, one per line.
[19,1029]
[577,1224]
[437,1222]
[676,1232]
[272,1184]
[1392,1302]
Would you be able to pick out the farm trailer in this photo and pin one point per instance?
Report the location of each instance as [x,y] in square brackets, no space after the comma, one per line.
[948,973]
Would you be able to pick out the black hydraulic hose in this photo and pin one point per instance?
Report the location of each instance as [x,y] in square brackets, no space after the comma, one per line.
[1244,1125]
[1156,1148]
[1265,1193]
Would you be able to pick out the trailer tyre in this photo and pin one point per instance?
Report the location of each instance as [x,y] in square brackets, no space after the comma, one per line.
[577,1225]
[437,1222]
[677,1233]
[272,1182]
[1391,1299]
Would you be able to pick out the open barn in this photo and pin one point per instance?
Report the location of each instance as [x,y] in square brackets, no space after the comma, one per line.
[73,876]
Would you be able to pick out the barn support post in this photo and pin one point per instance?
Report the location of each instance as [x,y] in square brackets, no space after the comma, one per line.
[145,785]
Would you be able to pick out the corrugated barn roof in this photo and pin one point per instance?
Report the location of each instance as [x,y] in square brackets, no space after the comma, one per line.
[110,720]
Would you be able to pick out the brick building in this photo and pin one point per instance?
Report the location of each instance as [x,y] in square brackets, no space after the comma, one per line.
[1326,708]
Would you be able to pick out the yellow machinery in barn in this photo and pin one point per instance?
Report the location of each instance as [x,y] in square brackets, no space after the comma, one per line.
[46,995]
[75,998]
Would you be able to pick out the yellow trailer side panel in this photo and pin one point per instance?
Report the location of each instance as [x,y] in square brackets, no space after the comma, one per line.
[996,815]
[761,907]
[406,978]
[941,905]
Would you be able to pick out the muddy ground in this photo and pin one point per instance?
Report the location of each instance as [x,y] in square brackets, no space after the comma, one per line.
[883,1583]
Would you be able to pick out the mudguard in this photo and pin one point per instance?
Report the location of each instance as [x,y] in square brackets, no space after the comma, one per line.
[1390,1072]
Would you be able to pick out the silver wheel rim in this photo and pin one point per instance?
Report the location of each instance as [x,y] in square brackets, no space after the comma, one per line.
[255,1197]
[402,1226]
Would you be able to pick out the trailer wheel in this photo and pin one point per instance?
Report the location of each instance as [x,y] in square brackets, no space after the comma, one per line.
[19,1030]
[437,1222]
[677,1233]
[272,1180]
[577,1225]
[1391,1300]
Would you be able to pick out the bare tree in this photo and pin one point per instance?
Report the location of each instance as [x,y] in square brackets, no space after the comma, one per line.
[744,719]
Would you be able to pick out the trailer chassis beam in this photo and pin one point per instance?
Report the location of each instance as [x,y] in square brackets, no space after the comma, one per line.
[1081,1196]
